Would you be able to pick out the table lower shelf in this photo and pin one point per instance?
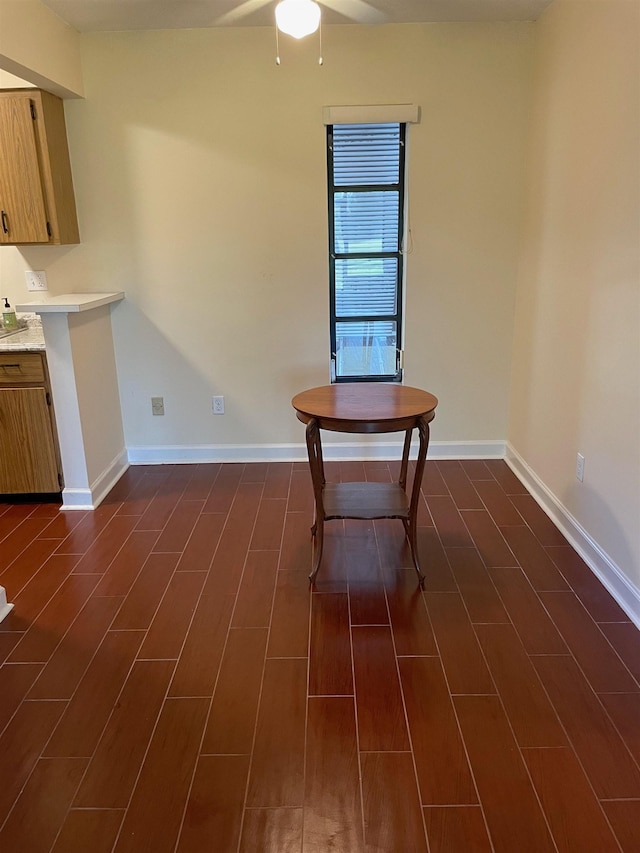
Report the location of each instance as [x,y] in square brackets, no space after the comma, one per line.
[364,500]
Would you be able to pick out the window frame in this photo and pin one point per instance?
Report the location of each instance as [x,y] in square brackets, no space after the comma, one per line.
[398,316]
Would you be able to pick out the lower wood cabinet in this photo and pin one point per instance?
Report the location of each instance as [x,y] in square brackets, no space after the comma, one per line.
[29,453]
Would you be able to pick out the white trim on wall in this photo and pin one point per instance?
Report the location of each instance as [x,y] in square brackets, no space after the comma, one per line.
[75,498]
[333,451]
[604,568]
[371,114]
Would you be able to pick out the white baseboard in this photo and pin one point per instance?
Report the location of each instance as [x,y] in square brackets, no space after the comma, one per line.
[609,574]
[92,497]
[466,450]
[332,451]
[5,608]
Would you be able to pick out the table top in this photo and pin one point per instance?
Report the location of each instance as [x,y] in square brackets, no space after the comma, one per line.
[364,406]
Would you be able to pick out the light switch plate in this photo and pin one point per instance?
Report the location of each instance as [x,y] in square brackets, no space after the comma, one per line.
[36,279]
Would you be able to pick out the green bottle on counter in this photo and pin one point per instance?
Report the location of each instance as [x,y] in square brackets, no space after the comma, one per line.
[9,319]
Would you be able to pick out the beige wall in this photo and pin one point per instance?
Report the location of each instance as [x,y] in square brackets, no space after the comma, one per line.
[91,339]
[576,374]
[38,46]
[200,177]
[10,81]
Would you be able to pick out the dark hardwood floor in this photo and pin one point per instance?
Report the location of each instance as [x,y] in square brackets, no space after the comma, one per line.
[170,683]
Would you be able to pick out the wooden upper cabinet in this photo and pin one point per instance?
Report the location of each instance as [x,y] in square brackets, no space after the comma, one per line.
[37,203]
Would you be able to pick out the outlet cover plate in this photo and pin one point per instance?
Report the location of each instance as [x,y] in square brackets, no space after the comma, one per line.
[36,280]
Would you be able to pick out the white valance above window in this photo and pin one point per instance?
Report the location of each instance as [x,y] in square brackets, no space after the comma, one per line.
[372,114]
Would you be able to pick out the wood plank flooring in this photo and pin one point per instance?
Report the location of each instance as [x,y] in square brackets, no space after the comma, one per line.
[169,682]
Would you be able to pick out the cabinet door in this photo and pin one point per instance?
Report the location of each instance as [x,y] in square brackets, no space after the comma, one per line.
[27,451]
[24,217]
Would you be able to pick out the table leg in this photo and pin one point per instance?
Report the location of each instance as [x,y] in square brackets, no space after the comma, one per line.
[316,465]
[402,482]
[411,524]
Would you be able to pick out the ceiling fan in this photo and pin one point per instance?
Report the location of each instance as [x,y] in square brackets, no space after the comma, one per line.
[300,18]
[290,10]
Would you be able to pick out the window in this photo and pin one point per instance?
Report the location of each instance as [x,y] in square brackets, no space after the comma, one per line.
[366,227]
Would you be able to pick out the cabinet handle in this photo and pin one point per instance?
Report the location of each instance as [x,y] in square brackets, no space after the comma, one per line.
[11,367]
[5,222]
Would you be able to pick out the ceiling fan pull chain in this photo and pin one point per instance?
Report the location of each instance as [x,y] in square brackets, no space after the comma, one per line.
[320,59]
[277,47]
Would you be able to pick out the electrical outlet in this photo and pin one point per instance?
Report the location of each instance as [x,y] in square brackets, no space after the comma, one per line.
[580,467]
[36,279]
[218,405]
[157,405]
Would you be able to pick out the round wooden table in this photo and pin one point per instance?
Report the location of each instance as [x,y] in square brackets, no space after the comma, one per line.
[372,408]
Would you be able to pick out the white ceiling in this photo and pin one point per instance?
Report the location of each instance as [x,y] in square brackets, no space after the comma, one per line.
[115,15]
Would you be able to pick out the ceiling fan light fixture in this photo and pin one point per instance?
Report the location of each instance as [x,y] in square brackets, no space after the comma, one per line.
[297,18]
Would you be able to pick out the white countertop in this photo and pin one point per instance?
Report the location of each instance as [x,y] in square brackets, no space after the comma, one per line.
[69,303]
